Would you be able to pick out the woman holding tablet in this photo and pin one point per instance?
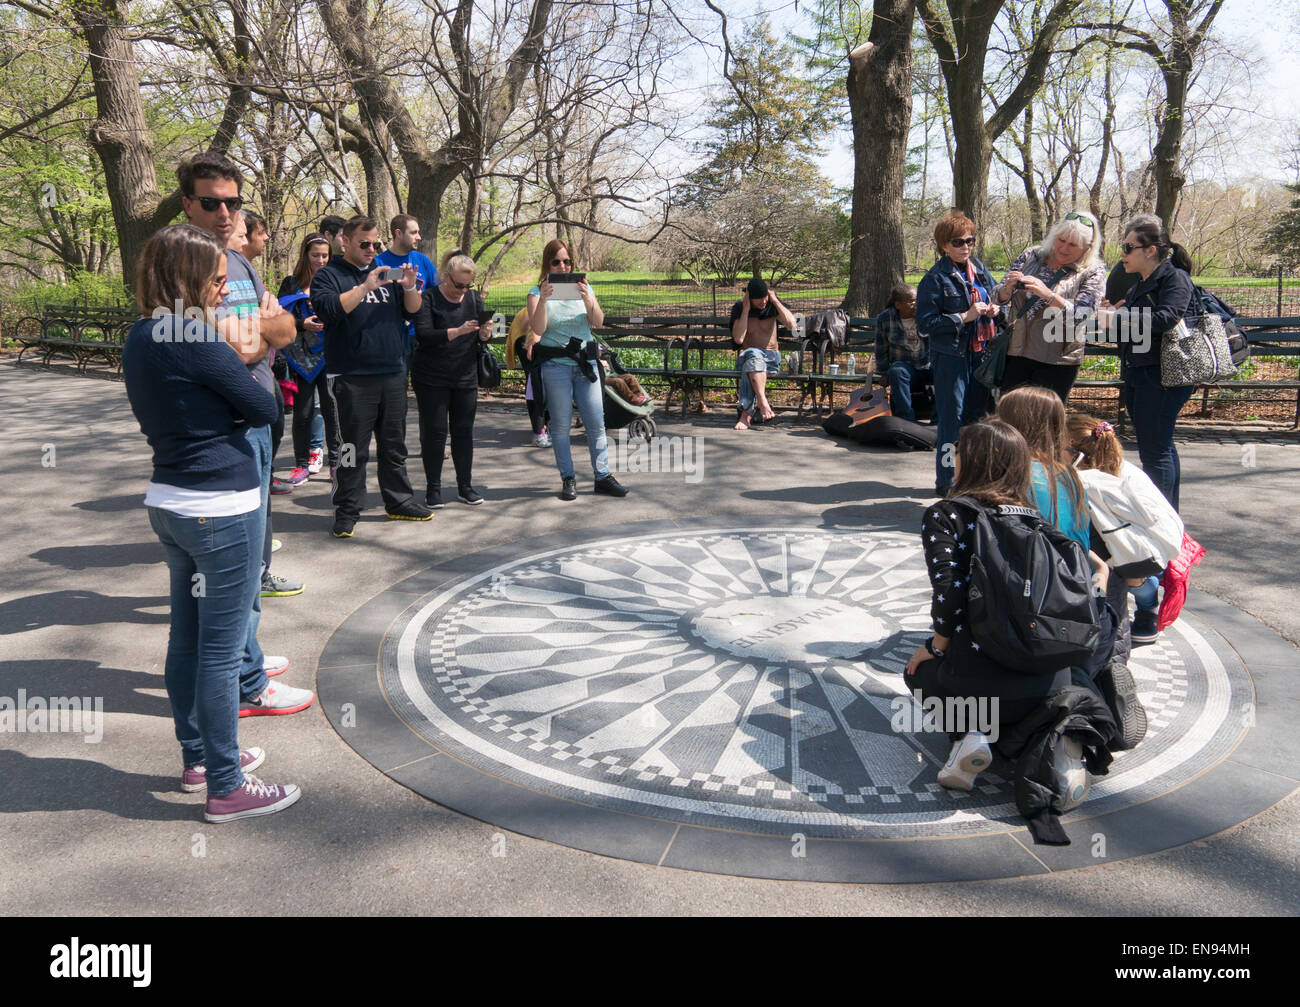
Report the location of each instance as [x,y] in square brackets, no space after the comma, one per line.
[570,368]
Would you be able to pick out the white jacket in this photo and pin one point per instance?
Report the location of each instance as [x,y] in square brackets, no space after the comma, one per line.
[1132,516]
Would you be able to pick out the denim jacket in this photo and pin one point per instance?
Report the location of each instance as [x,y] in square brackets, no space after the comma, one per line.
[1168,294]
[941,299]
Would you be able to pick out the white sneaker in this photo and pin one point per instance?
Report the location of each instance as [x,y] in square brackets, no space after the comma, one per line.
[969,757]
[315,460]
[276,544]
[276,700]
[1068,764]
[274,665]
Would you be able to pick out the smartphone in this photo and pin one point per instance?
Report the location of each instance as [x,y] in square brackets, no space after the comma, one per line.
[485,317]
[390,274]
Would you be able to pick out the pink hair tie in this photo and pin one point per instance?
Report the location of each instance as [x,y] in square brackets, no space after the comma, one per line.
[1101,428]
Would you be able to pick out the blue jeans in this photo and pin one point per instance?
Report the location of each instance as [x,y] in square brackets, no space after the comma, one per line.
[563,386]
[208,629]
[903,378]
[1153,409]
[252,679]
[1147,594]
[958,400]
[747,362]
[317,423]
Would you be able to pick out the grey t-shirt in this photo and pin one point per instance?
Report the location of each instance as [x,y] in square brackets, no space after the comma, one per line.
[244,300]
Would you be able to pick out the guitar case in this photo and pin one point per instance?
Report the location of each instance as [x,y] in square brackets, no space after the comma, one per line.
[870,422]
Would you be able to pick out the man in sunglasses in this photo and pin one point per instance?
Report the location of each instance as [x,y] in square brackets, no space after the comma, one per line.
[252,321]
[365,315]
[403,249]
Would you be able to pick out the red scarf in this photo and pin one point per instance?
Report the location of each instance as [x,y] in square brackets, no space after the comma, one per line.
[985,329]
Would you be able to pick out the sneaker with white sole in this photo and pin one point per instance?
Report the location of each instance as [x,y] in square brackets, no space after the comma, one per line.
[276,545]
[279,587]
[1068,764]
[542,440]
[297,476]
[969,757]
[276,700]
[195,778]
[315,460]
[274,665]
[252,799]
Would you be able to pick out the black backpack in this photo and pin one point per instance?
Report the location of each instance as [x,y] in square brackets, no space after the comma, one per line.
[1029,603]
[1237,344]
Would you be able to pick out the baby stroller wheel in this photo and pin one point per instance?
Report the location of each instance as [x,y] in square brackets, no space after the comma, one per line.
[641,429]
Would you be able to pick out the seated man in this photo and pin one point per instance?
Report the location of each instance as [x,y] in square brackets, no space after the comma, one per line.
[753,329]
[902,353]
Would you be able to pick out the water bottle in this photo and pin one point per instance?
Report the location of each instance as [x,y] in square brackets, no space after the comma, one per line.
[853,364]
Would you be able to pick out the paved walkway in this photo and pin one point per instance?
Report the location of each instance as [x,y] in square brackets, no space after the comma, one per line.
[104,829]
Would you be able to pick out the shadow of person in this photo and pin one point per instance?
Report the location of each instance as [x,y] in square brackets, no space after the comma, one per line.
[61,784]
[78,608]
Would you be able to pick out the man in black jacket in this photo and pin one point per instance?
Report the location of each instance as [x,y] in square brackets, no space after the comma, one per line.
[365,316]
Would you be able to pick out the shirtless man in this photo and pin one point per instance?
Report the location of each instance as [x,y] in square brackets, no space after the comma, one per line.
[754,319]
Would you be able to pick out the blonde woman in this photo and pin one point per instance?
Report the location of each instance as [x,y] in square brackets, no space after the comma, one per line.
[1051,290]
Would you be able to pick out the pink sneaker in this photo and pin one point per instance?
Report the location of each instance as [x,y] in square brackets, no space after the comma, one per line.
[195,778]
[297,476]
[252,799]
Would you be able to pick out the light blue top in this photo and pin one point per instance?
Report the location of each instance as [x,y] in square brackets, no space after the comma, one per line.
[565,320]
[1074,525]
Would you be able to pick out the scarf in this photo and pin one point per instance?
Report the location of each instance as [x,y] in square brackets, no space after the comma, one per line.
[985,329]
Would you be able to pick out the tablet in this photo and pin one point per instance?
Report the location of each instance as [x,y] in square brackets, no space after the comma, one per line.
[566,286]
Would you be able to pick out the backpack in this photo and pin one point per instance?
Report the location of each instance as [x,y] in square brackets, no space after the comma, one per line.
[1237,344]
[1030,605]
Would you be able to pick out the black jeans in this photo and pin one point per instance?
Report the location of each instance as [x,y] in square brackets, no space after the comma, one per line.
[370,404]
[437,406]
[1021,371]
[302,417]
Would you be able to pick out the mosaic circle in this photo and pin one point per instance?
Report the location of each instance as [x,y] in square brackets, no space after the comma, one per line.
[748,680]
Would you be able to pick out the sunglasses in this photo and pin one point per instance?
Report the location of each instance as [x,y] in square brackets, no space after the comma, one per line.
[1082,219]
[962,242]
[210,203]
[460,286]
[365,246]
[561,262]
[1126,247]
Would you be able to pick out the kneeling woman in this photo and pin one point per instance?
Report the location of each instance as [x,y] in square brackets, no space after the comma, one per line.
[993,467]
[570,372]
[444,374]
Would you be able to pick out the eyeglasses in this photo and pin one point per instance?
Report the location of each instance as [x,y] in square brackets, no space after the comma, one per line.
[962,242]
[210,203]
[219,281]
[561,262]
[1126,247]
[1082,219]
[365,246]
[460,286]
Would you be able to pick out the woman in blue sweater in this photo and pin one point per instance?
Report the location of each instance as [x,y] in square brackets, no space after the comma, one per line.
[193,398]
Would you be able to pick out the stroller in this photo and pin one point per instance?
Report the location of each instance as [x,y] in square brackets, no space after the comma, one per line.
[620,413]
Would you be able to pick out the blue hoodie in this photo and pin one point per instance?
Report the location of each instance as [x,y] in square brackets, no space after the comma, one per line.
[370,340]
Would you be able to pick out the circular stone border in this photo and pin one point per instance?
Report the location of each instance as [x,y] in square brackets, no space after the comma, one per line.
[1241,784]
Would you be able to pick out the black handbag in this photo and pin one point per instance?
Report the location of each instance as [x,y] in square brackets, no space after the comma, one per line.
[489,370]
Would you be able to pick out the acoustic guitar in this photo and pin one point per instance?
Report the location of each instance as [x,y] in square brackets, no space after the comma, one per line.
[866,403]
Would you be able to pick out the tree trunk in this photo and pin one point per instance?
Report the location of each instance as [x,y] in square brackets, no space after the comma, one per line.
[120,134]
[1167,153]
[880,103]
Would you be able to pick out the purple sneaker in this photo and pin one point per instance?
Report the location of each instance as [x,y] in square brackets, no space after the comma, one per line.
[196,777]
[252,799]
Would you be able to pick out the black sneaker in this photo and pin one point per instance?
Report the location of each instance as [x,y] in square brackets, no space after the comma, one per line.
[1144,628]
[410,511]
[433,499]
[1119,690]
[610,487]
[467,495]
[343,527]
[569,489]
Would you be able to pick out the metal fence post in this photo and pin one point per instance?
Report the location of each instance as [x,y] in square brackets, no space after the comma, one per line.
[1279,290]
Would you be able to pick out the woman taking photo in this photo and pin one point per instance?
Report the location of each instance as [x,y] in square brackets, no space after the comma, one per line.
[570,369]
[955,310]
[444,374]
[1052,290]
[306,357]
[194,398]
[1162,297]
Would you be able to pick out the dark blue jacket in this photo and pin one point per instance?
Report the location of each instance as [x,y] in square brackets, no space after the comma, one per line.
[195,400]
[1168,295]
[370,340]
[941,299]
